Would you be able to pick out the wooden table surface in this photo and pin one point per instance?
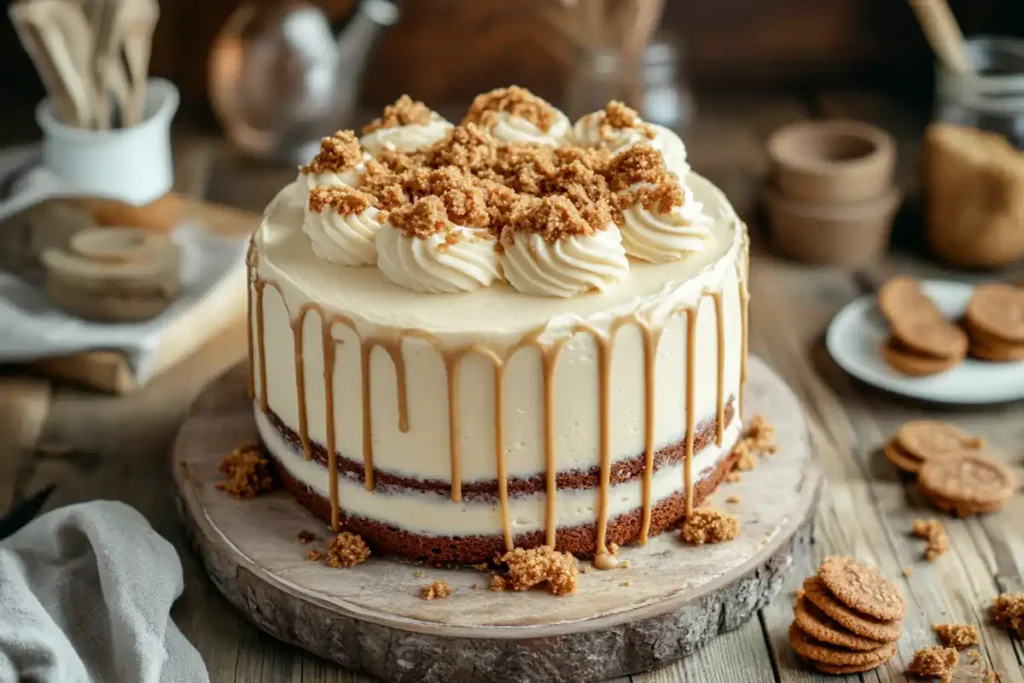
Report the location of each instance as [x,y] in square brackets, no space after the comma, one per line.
[94,446]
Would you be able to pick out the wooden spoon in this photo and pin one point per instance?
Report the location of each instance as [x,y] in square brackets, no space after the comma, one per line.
[137,20]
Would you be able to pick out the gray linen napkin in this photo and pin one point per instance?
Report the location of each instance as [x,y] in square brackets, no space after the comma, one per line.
[85,597]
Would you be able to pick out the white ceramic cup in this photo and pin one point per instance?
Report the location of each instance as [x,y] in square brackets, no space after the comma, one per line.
[132,164]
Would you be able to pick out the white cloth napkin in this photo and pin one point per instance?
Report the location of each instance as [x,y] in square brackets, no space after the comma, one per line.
[85,597]
[32,329]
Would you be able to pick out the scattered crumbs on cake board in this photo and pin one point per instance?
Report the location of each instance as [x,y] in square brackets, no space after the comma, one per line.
[907,571]
[314,555]
[734,499]
[957,636]
[584,569]
[627,583]
[625,564]
[347,550]
[733,477]
[932,531]
[418,573]
[934,661]
[757,441]
[306,536]
[481,567]
[708,525]
[438,590]
[537,566]
[1008,610]
[248,470]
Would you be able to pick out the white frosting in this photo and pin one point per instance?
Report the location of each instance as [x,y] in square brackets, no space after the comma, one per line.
[406,138]
[587,132]
[345,239]
[672,148]
[571,265]
[435,514]
[661,237]
[436,266]
[511,128]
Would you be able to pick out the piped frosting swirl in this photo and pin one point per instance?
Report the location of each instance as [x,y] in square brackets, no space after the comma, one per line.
[516,115]
[422,250]
[342,225]
[406,126]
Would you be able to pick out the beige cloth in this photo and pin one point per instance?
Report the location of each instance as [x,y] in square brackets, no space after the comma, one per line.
[85,597]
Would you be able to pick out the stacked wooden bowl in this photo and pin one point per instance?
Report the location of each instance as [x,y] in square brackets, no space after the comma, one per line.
[831,196]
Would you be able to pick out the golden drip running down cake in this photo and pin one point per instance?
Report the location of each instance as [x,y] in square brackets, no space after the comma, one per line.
[511,332]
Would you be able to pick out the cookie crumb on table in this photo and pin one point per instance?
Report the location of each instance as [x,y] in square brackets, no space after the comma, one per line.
[734,498]
[1008,611]
[347,550]
[708,525]
[934,662]
[907,571]
[418,573]
[934,532]
[249,471]
[305,536]
[439,590]
[733,477]
[537,566]
[958,636]
[314,555]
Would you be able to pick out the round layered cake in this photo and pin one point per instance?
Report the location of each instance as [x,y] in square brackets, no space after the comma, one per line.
[507,333]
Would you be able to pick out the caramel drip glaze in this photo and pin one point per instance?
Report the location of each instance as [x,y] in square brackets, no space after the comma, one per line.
[452,358]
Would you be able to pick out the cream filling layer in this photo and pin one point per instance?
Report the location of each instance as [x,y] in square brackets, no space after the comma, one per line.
[434,514]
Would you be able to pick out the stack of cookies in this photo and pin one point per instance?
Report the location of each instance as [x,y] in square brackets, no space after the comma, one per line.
[919,441]
[995,323]
[952,470]
[922,342]
[847,618]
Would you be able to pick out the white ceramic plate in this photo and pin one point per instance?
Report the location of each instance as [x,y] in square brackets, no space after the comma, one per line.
[856,334]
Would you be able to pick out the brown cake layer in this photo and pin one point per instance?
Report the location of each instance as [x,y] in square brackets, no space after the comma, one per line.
[621,471]
[579,540]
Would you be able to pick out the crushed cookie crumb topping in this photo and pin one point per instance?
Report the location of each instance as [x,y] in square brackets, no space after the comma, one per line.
[338,152]
[554,217]
[515,101]
[342,199]
[404,112]
[347,550]
[249,472]
[425,217]
[708,525]
[639,164]
[438,590]
[537,566]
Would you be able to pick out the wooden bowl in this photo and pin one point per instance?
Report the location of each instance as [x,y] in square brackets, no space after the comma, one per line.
[832,161]
[850,234]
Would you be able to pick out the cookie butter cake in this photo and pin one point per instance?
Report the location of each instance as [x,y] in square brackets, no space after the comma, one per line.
[512,332]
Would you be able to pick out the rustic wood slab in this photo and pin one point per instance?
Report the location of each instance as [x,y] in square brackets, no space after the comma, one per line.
[670,600]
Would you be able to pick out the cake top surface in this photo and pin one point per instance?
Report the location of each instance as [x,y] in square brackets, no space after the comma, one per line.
[514,199]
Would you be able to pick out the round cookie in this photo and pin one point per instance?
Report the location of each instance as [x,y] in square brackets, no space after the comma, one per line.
[998,309]
[1005,353]
[931,336]
[967,482]
[930,439]
[830,655]
[906,362]
[817,625]
[818,595]
[900,458]
[862,588]
[901,296]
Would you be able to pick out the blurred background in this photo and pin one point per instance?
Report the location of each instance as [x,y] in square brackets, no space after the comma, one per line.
[445,51]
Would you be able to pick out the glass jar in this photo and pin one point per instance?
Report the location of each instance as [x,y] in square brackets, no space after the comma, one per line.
[654,85]
[992,98]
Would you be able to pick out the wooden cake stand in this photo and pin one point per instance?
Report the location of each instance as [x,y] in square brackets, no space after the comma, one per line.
[670,600]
